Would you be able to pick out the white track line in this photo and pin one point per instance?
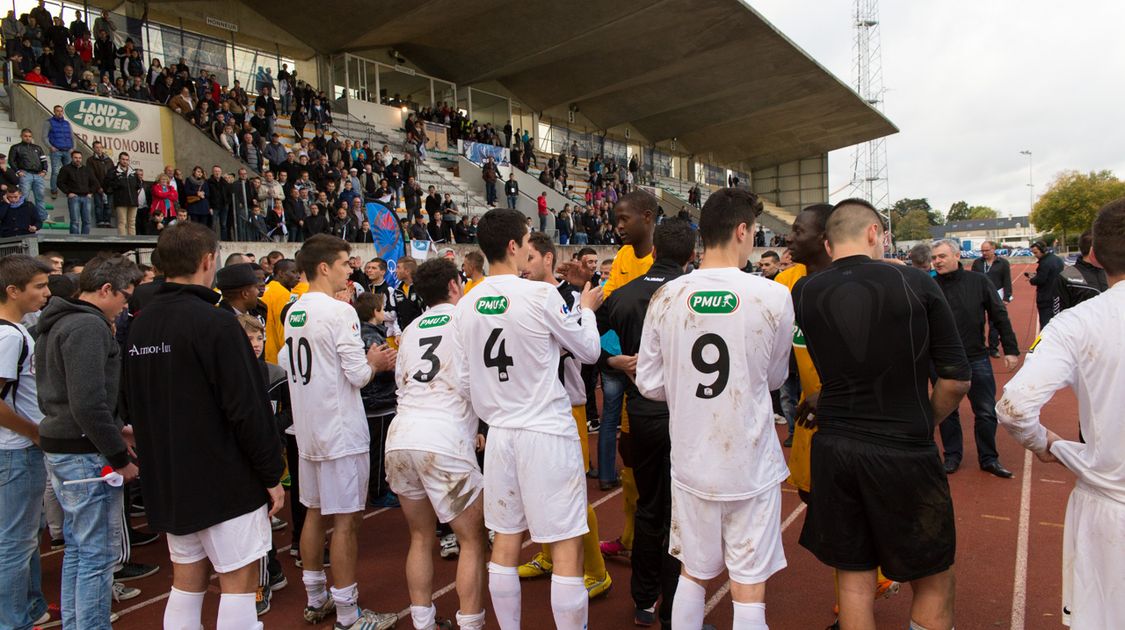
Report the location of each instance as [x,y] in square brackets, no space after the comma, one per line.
[725,588]
[1019,592]
[405,612]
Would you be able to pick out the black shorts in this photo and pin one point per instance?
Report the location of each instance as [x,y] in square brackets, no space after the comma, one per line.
[879,506]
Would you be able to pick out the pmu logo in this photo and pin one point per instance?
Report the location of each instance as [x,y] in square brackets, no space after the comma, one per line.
[298,319]
[433,321]
[713,302]
[492,305]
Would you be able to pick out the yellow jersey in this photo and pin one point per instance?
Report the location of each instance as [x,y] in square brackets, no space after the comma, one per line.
[275,299]
[800,474]
[299,290]
[470,283]
[626,267]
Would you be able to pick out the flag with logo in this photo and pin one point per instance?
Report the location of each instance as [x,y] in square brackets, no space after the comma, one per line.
[387,237]
[420,250]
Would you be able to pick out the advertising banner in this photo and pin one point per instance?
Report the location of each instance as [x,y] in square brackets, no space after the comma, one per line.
[120,125]
[476,152]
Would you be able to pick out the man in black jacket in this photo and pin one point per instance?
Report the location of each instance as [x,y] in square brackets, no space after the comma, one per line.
[101,164]
[999,272]
[1046,282]
[406,303]
[241,287]
[655,572]
[79,185]
[971,296]
[212,458]
[220,200]
[1083,280]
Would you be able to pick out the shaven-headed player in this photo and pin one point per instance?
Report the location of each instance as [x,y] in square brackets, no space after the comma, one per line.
[1084,348]
[431,461]
[323,355]
[541,268]
[513,331]
[715,343]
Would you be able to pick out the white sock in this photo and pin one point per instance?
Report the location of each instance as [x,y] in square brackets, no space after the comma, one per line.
[316,587]
[570,603]
[470,622]
[347,606]
[504,586]
[423,616]
[237,612]
[183,611]
[750,616]
[687,607]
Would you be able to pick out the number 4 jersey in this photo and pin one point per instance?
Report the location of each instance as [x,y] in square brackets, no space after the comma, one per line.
[512,331]
[715,342]
[434,413]
[323,355]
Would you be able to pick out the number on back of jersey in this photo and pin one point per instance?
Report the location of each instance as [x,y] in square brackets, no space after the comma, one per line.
[708,361]
[300,362]
[496,356]
[429,347]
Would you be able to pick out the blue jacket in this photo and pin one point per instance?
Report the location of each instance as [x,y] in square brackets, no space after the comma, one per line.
[59,134]
[203,205]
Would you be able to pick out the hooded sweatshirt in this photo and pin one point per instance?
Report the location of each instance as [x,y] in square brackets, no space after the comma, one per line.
[78,373]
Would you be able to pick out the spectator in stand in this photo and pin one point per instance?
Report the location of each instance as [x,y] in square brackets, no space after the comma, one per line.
[105,52]
[18,218]
[183,103]
[13,31]
[163,198]
[220,201]
[315,223]
[541,202]
[198,202]
[295,212]
[8,178]
[30,163]
[564,225]
[365,235]
[298,121]
[343,226]
[461,232]
[164,90]
[418,230]
[78,386]
[248,152]
[433,202]
[512,190]
[60,141]
[122,184]
[79,184]
[489,174]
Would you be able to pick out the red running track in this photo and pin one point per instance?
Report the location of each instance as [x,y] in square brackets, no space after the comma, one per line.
[1008,567]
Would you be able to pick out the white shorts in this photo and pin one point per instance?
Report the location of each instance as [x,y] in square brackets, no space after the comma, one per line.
[743,537]
[335,486]
[451,484]
[229,545]
[1093,560]
[534,482]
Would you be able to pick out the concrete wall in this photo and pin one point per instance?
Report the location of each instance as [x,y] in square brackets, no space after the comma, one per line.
[193,147]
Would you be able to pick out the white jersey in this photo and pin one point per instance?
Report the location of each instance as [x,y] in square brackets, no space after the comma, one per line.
[22,399]
[715,343]
[513,331]
[1084,348]
[323,355]
[434,413]
[570,368]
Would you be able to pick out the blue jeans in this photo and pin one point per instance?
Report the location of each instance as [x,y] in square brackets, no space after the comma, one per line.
[101,209]
[982,399]
[34,182]
[790,397]
[613,395]
[59,159]
[512,201]
[92,528]
[79,212]
[22,482]
[490,193]
[580,238]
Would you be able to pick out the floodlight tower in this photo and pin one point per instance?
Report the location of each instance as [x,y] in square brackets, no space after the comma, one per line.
[869,175]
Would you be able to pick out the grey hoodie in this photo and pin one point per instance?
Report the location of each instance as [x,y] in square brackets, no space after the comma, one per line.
[78,366]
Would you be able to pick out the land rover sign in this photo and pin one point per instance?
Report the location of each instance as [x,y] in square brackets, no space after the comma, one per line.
[101,115]
[120,125]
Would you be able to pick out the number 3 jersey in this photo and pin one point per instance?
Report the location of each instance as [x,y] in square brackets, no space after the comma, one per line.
[434,412]
[513,331]
[715,343]
[323,355]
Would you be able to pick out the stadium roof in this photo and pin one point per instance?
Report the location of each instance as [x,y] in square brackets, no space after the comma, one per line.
[714,74]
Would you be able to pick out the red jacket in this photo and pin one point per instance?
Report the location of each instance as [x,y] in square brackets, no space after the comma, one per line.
[165,198]
[542,206]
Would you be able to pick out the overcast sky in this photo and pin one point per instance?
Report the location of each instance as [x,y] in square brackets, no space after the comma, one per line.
[970,83]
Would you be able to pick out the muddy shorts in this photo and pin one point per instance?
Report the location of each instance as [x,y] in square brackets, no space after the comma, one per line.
[451,484]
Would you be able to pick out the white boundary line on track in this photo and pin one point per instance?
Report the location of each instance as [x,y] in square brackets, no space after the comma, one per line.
[714,600]
[405,612]
[1019,589]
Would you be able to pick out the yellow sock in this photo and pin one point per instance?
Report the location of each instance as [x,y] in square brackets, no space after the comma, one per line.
[593,564]
[629,491]
[547,553]
[879,577]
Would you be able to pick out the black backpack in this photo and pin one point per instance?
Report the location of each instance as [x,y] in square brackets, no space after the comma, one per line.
[13,386]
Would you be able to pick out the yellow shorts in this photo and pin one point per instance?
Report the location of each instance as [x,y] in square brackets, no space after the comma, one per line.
[800,465]
[579,413]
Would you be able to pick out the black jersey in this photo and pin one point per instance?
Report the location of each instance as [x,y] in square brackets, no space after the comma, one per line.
[873,331]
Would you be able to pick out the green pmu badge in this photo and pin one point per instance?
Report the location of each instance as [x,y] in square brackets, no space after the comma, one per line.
[492,305]
[713,302]
[298,318]
[433,321]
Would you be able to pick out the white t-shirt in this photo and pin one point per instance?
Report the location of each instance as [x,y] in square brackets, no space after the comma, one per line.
[324,358]
[434,413]
[570,368]
[513,331]
[715,343]
[1082,348]
[25,401]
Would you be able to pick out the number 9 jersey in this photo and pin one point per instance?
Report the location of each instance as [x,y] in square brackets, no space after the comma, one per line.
[512,331]
[715,343]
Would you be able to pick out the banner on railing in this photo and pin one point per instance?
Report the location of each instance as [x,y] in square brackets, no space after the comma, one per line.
[476,152]
[437,136]
[135,128]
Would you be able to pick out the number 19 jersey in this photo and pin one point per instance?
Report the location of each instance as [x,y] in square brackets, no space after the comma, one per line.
[323,354]
[512,331]
[715,343]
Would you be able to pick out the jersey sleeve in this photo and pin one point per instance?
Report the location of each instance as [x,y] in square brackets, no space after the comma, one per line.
[1051,364]
[946,351]
[349,347]
[575,333]
[650,362]
[11,345]
[782,344]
